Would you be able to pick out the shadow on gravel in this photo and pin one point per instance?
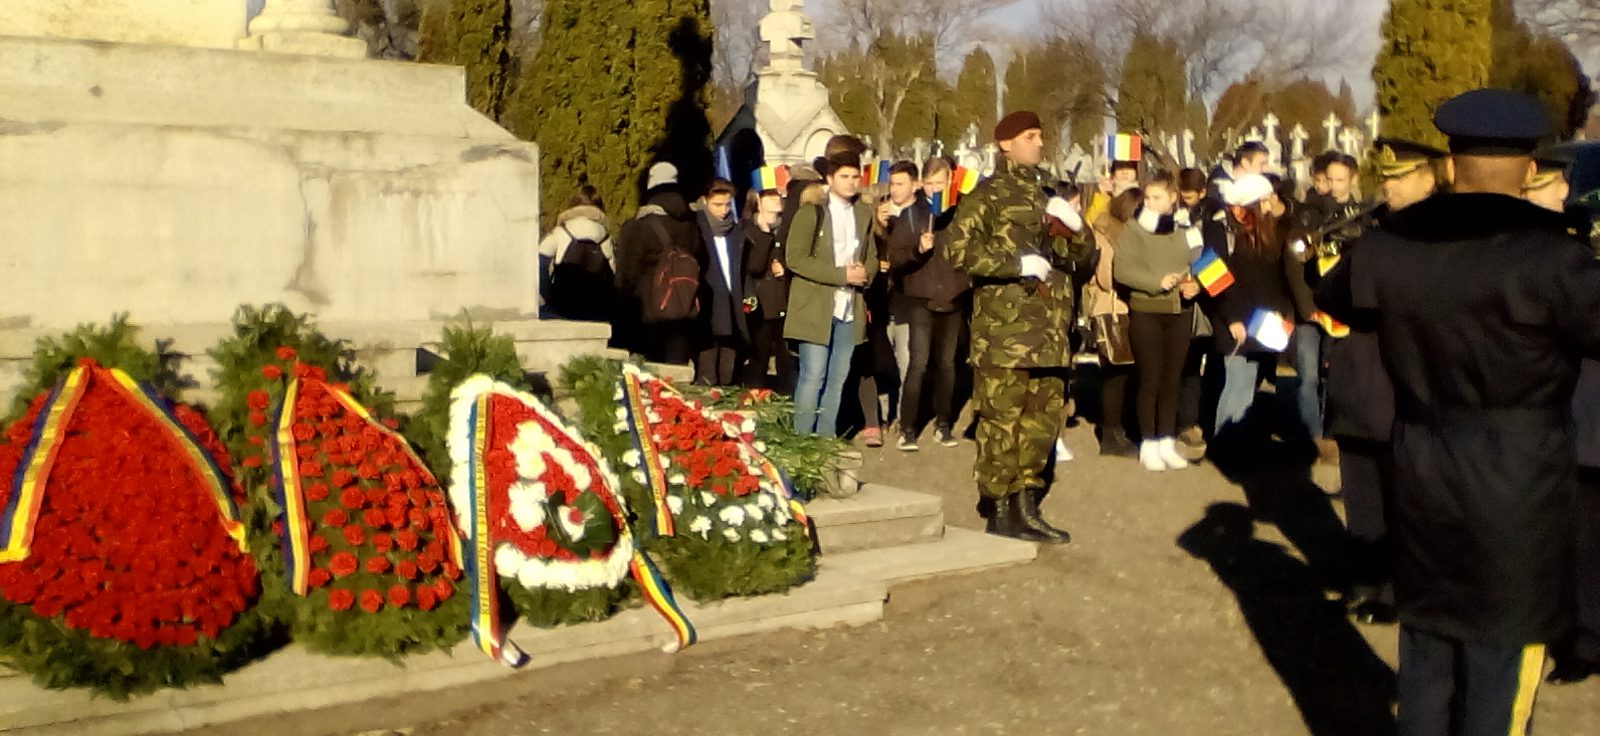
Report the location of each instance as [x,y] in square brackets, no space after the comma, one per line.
[1341,687]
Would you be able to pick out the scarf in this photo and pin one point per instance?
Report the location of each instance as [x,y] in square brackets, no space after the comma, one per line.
[720,228]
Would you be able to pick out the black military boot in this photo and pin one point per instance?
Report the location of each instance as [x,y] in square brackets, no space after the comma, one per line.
[1009,522]
[1029,510]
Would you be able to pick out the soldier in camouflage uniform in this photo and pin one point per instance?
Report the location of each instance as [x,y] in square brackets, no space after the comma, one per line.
[1020,246]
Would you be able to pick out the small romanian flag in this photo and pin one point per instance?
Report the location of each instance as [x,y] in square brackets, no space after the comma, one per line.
[938,204]
[1124,147]
[1333,327]
[964,180]
[1270,330]
[770,178]
[1212,273]
[875,172]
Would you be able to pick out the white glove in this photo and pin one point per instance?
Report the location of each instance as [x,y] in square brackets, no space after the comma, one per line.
[1182,218]
[1063,210]
[1035,267]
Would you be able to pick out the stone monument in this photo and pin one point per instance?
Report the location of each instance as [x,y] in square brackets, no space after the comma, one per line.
[787,107]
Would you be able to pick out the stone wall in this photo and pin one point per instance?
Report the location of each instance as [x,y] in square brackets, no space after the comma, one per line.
[209,23]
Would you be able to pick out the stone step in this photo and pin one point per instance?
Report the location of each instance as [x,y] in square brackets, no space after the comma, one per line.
[296,680]
[879,516]
[959,551]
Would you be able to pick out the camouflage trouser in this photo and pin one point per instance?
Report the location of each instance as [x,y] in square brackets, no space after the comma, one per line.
[1020,413]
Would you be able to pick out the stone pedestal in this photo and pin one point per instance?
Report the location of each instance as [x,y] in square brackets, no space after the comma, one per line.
[793,116]
[196,23]
[308,27]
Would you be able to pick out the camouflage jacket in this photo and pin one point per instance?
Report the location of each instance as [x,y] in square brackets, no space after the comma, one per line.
[1016,322]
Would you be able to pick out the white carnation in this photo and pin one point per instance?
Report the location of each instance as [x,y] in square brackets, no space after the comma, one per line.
[731,533]
[572,522]
[765,501]
[700,525]
[639,477]
[508,560]
[582,477]
[749,426]
[632,458]
[732,515]
[677,479]
[780,535]
[527,504]
[758,536]
[675,504]
[755,512]
[621,426]
[708,499]
[761,446]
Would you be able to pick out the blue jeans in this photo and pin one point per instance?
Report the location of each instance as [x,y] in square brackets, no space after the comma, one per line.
[1242,376]
[1308,363]
[820,389]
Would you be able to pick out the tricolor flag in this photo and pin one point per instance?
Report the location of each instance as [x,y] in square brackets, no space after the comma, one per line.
[1124,147]
[770,178]
[938,204]
[1212,273]
[724,169]
[964,180]
[882,176]
[1270,330]
[875,172]
[1333,327]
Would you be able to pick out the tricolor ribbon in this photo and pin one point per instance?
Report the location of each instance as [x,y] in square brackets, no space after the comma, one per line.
[290,495]
[656,590]
[654,468]
[487,632]
[27,485]
[204,464]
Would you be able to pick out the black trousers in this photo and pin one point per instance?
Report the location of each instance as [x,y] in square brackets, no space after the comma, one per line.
[1114,412]
[673,343]
[717,363]
[768,346]
[1160,349]
[935,336]
[1455,688]
[1586,518]
[1366,476]
[1192,391]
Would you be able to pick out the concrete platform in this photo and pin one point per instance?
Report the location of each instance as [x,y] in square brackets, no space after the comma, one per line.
[959,551]
[879,516]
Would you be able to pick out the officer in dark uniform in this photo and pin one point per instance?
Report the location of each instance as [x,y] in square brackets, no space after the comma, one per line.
[1361,399]
[1483,307]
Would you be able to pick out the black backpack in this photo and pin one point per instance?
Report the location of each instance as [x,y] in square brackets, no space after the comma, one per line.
[673,292]
[582,278]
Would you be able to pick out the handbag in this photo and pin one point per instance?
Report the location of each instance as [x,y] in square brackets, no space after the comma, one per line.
[1111,338]
[1202,324]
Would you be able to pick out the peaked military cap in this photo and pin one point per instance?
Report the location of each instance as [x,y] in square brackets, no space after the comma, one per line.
[1550,165]
[1397,157]
[1494,122]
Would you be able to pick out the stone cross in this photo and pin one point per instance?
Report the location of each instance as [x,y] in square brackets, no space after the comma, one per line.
[1274,146]
[1169,143]
[786,31]
[1298,138]
[1188,148]
[991,158]
[919,150]
[307,27]
[1372,125]
[1350,142]
[1254,134]
[1331,125]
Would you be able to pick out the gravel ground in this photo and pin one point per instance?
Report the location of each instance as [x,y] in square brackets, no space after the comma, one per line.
[1188,603]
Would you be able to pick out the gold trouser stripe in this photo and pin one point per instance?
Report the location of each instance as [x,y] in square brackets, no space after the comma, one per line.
[1527,686]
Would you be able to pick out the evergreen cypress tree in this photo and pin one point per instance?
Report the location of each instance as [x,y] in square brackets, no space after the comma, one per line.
[1541,65]
[1152,96]
[672,44]
[974,98]
[475,34]
[1432,50]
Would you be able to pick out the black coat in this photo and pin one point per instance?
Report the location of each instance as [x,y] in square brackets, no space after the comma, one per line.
[761,250]
[1360,398]
[721,307]
[1260,281]
[1483,308]
[929,277]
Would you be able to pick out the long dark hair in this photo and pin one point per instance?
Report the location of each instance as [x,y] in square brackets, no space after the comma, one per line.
[1255,231]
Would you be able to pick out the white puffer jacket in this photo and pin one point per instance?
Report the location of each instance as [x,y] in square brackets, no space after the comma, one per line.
[578,223]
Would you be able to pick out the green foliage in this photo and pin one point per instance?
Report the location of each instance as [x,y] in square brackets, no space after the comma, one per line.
[475,34]
[804,458]
[974,99]
[548,609]
[848,92]
[1152,95]
[116,345]
[59,657]
[259,332]
[1034,82]
[615,86]
[927,100]
[470,351]
[1432,50]
[1541,65]
[705,569]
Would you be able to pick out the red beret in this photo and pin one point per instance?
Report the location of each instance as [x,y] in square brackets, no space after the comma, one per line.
[1016,124]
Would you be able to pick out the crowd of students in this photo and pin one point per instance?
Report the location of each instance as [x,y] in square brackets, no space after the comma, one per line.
[832,288]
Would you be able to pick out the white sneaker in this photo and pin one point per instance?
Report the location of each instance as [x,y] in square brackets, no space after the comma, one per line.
[1063,454]
[1167,450]
[1150,456]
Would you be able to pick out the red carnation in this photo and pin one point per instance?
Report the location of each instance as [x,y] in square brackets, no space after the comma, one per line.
[272,372]
[258,399]
[451,570]
[352,498]
[257,440]
[303,432]
[374,518]
[340,599]
[318,543]
[407,539]
[342,478]
[399,595]
[257,417]
[310,469]
[367,471]
[427,598]
[391,423]
[317,491]
[286,353]
[253,461]
[318,577]
[354,535]
[382,542]
[443,588]
[343,564]
[371,601]
[427,562]
[377,565]
[277,527]
[406,569]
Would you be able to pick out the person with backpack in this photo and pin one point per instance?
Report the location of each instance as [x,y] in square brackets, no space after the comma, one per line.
[724,333]
[827,254]
[659,261]
[578,261]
